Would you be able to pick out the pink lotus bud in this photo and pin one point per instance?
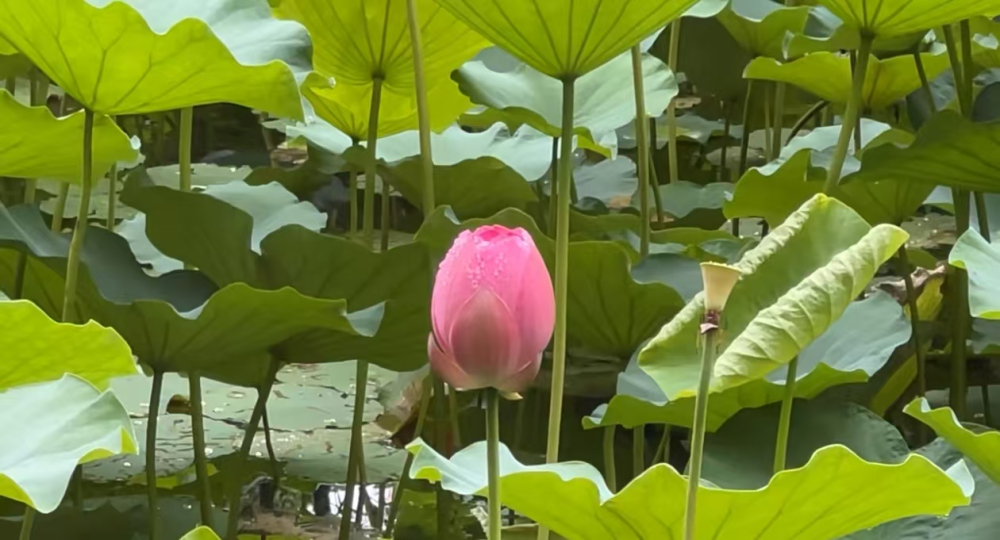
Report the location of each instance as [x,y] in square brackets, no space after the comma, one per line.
[492,310]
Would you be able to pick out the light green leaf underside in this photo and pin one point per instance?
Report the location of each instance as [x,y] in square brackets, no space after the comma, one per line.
[566,38]
[71,422]
[357,40]
[827,32]
[36,144]
[850,351]
[36,349]
[949,150]
[604,99]
[201,533]
[828,75]
[846,494]
[982,260]
[796,283]
[139,56]
[760,26]
[982,448]
[887,18]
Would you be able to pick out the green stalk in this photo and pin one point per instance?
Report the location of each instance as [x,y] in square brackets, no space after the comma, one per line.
[818,107]
[698,432]
[982,215]
[554,188]
[851,115]
[610,473]
[404,478]
[662,454]
[27,523]
[672,60]
[779,119]
[456,432]
[423,113]
[642,147]
[151,422]
[768,97]
[184,148]
[654,181]
[964,100]
[60,209]
[638,450]
[785,420]
[386,219]
[271,455]
[200,459]
[360,389]
[985,393]
[80,231]
[727,112]
[353,190]
[960,316]
[493,459]
[443,497]
[744,143]
[924,83]
[112,197]
[905,271]
[371,168]
[519,422]
[263,393]
[968,66]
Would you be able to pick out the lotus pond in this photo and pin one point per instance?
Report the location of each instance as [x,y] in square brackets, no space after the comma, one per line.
[759,233]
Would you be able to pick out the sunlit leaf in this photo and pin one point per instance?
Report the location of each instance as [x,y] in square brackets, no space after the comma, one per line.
[826,32]
[201,533]
[652,506]
[49,429]
[788,296]
[983,447]
[828,75]
[138,56]
[887,18]
[34,143]
[760,26]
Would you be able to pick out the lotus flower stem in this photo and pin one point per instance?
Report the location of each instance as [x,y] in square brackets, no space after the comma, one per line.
[184,147]
[638,450]
[554,188]
[404,478]
[493,459]
[27,523]
[80,231]
[785,419]
[654,181]
[642,149]
[151,422]
[673,56]
[442,496]
[423,113]
[200,459]
[456,432]
[610,472]
[779,119]
[851,115]
[698,431]
[356,448]
[562,273]
[371,168]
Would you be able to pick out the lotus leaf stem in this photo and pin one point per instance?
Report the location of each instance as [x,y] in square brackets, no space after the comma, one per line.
[638,450]
[673,56]
[184,148]
[727,113]
[423,112]
[60,209]
[386,217]
[404,478]
[968,65]
[662,454]
[851,115]
[960,316]
[200,459]
[610,471]
[785,419]
[27,523]
[554,187]
[817,108]
[654,180]
[744,142]
[271,455]
[371,167]
[441,427]
[493,459]
[642,149]
[151,423]
[779,119]
[456,432]
[356,448]
[698,431]
[924,83]
[768,98]
[80,230]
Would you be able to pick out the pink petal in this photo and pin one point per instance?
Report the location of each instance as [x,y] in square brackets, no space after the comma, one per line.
[536,306]
[445,366]
[484,340]
[521,379]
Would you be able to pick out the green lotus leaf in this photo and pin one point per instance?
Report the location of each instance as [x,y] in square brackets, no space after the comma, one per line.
[218,238]
[888,18]
[985,46]
[828,75]
[348,107]
[140,56]
[605,98]
[949,150]
[610,312]
[71,422]
[34,143]
[777,189]
[652,506]
[981,259]
[760,26]
[826,32]
[850,351]
[693,205]
[201,533]
[37,349]
[983,447]
[355,41]
[12,63]
[609,182]
[773,314]
[562,38]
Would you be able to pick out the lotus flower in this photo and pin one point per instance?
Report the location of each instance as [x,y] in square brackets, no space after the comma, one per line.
[492,311]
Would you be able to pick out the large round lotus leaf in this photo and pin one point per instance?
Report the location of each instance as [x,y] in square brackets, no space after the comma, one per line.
[826,32]
[355,41]
[888,18]
[828,75]
[845,494]
[347,107]
[35,144]
[796,283]
[760,26]
[982,260]
[36,348]
[566,38]
[140,56]
[982,447]
[49,429]
[604,102]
